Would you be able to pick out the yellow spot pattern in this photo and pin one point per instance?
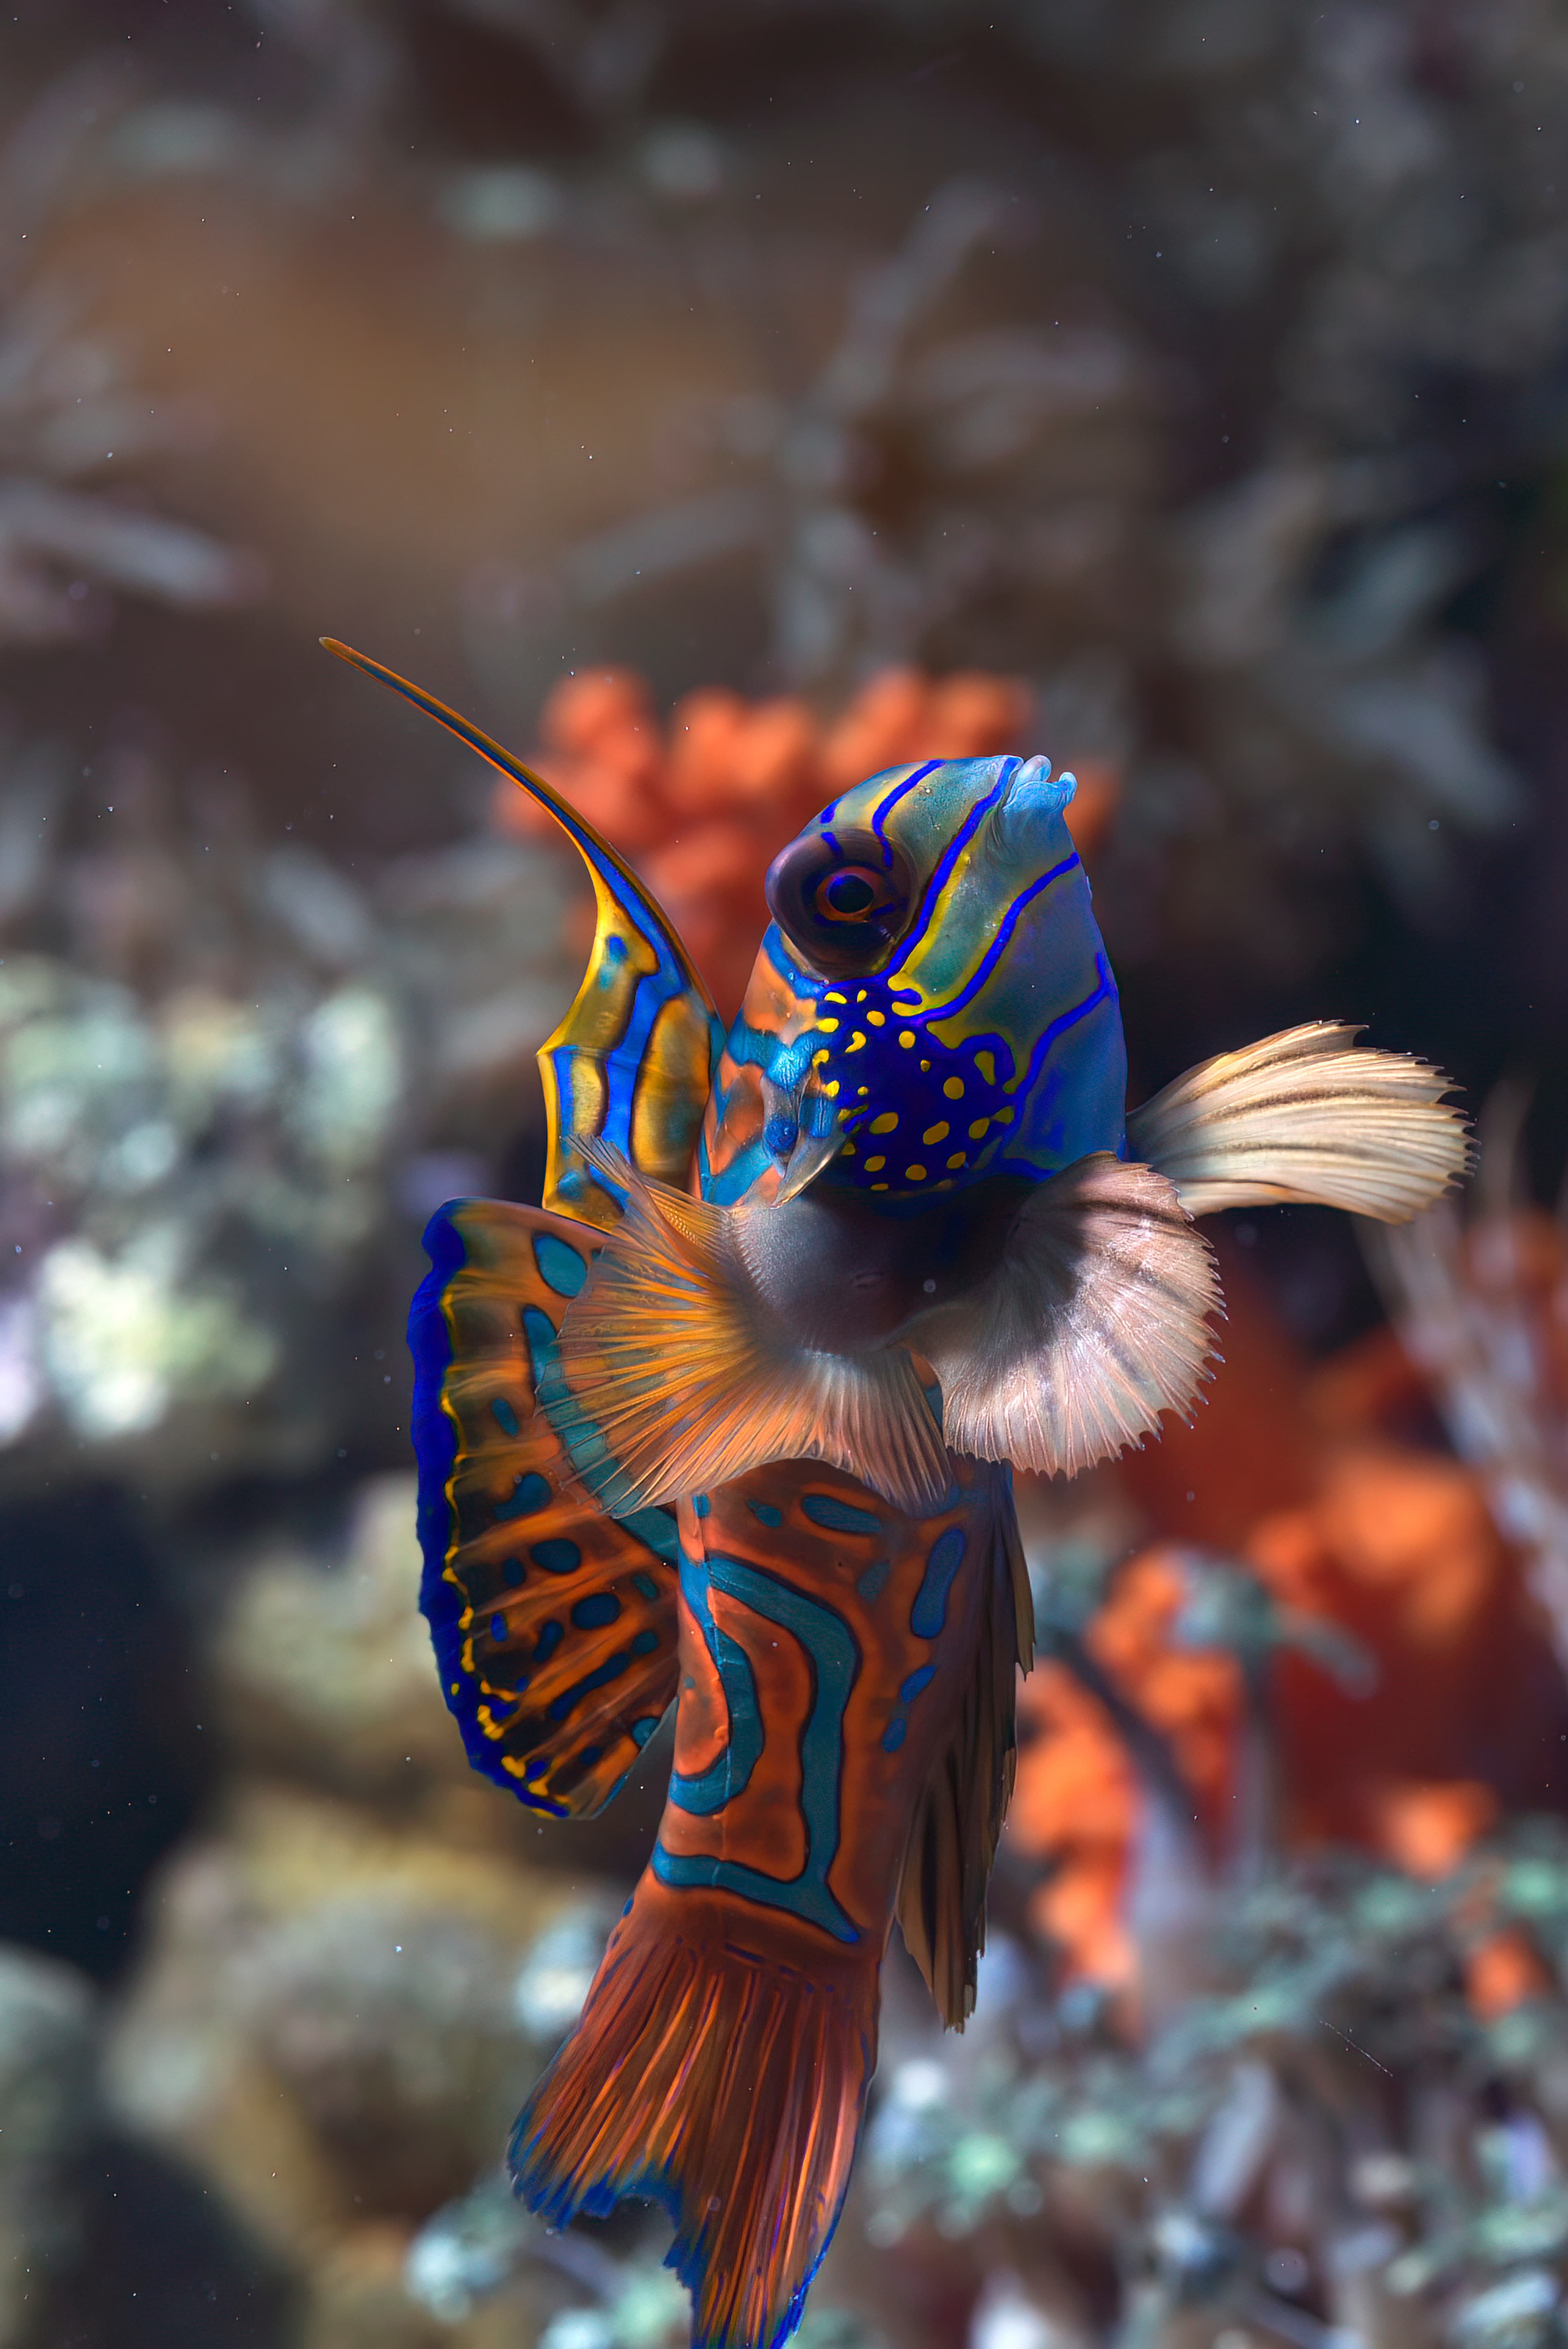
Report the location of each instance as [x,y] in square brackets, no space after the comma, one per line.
[937,1132]
[986,1064]
[959,1158]
[915,1174]
[886,1122]
[980,1126]
[828,1026]
[874,1166]
[857,1041]
[907,1039]
[877,1018]
[954,1088]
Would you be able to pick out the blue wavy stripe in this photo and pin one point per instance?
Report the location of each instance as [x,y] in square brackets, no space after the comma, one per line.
[1048,1036]
[932,902]
[998,945]
[884,808]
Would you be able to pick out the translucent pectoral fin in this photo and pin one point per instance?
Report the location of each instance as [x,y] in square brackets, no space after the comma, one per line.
[553,1622]
[1094,1324]
[1307,1115]
[674,1376]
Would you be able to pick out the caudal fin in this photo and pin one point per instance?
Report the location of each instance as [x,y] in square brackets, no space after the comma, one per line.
[723,2083]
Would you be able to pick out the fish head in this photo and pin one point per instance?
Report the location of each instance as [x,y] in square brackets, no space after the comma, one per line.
[931,1005]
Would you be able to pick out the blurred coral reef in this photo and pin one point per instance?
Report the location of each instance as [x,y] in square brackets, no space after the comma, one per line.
[232,1075]
[358,1965]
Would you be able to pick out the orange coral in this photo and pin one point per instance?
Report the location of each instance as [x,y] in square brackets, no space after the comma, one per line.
[1077,1797]
[1502,1971]
[1075,1804]
[1292,1471]
[1396,1546]
[702,808]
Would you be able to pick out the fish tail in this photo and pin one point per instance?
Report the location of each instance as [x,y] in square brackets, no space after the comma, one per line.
[723,2078]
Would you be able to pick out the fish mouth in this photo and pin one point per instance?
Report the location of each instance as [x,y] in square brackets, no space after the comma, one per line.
[1033,795]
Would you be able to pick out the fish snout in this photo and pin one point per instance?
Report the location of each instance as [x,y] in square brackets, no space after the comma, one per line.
[1028,819]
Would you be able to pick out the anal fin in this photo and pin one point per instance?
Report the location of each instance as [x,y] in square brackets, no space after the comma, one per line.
[958,1825]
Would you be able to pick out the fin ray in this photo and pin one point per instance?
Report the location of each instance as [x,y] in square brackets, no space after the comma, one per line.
[1307,1115]
[723,2082]
[958,1823]
[1094,1323]
[672,1360]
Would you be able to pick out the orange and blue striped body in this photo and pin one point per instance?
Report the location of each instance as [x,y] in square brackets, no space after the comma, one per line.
[843,1737]
[819,1629]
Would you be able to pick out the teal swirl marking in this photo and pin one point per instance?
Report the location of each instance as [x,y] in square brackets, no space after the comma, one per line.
[834,1654]
[838,1516]
[580,1439]
[927,1621]
[928,1616]
[703,1793]
[562,1267]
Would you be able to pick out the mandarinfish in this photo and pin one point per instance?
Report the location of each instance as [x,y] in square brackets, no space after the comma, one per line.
[731,1424]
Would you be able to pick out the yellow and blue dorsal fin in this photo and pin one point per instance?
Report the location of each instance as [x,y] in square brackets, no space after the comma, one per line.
[634,1059]
[553,1622]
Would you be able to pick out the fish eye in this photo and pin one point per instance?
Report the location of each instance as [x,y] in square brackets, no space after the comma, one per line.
[838,899]
[849,894]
